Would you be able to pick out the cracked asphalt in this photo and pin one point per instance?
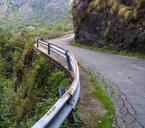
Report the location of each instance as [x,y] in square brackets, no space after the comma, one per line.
[126,77]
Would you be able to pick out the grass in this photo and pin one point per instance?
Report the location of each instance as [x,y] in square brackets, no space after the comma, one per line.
[109,51]
[107,120]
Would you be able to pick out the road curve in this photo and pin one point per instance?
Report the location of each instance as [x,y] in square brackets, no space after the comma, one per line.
[126,76]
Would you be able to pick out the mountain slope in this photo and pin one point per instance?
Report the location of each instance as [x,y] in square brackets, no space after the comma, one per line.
[19,13]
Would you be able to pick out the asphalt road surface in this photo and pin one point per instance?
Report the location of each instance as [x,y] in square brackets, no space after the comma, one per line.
[125,75]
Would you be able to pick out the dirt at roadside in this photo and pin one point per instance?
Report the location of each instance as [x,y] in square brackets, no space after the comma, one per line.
[90,108]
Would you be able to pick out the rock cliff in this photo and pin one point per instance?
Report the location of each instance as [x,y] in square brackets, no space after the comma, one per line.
[115,24]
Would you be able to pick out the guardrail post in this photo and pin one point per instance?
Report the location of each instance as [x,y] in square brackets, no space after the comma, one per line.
[37,44]
[68,61]
[70,118]
[48,48]
[61,91]
[37,41]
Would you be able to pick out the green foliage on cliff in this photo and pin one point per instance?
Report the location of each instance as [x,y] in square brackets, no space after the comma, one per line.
[28,81]
[127,13]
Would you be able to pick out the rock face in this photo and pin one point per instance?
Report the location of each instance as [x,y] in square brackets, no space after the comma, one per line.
[115,24]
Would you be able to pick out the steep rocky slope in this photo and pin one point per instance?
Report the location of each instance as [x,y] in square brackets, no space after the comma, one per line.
[116,24]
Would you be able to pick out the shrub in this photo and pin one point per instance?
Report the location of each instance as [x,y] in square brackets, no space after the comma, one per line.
[28,81]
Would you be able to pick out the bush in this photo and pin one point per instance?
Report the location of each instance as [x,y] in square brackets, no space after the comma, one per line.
[28,81]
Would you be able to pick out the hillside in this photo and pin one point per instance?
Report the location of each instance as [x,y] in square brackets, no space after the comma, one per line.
[16,14]
[114,24]
[28,81]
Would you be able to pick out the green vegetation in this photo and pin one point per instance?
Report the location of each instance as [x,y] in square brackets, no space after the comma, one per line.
[46,14]
[125,12]
[28,81]
[107,120]
[78,123]
[107,50]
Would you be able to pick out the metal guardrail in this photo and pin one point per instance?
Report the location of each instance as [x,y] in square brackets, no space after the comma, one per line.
[52,36]
[55,117]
